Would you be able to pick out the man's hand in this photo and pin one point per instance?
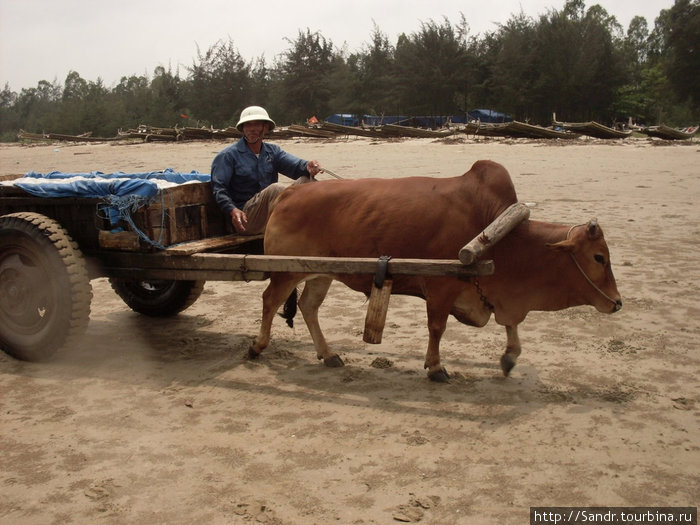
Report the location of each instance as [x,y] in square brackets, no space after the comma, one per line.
[313,167]
[239,219]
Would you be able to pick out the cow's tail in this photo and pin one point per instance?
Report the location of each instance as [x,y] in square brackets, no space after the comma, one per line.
[289,310]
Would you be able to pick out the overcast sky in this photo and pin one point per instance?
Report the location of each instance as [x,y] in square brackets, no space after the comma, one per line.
[109,39]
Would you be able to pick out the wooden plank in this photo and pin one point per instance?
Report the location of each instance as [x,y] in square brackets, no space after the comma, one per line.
[172,236]
[211,244]
[188,194]
[339,265]
[376,313]
[119,241]
[184,275]
[203,225]
[214,262]
[494,232]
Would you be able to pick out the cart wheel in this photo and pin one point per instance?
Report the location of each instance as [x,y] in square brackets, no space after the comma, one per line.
[157,298]
[45,290]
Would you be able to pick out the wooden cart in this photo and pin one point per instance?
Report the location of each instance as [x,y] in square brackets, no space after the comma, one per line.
[50,249]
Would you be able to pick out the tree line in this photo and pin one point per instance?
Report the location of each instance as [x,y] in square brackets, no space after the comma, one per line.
[578,63]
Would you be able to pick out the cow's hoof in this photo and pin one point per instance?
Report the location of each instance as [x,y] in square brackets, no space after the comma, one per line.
[439,376]
[333,361]
[252,354]
[507,364]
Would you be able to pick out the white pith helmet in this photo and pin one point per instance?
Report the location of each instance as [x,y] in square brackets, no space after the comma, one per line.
[254,113]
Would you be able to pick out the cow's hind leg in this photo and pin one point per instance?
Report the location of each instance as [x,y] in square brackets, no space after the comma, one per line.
[276,293]
[315,292]
[512,352]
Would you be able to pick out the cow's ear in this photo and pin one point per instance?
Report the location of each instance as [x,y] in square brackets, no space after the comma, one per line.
[593,229]
[562,246]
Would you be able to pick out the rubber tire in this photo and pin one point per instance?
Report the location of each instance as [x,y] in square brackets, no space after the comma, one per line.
[157,298]
[45,290]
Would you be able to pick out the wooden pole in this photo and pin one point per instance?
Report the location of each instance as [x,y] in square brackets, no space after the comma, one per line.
[494,232]
[376,313]
[219,263]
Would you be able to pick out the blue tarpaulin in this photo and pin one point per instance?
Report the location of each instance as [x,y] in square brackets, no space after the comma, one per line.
[168,174]
[427,121]
[489,115]
[344,119]
[347,119]
[90,188]
[96,184]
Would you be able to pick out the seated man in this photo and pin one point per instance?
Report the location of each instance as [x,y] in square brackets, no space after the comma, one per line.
[244,175]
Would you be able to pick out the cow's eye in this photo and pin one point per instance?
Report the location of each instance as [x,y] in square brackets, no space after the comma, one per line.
[599,259]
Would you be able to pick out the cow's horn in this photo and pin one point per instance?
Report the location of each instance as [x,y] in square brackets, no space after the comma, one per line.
[593,228]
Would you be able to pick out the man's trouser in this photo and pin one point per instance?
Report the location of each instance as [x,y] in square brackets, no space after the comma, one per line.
[259,206]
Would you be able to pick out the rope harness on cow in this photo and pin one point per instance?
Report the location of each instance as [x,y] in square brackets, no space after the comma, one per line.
[573,258]
[326,170]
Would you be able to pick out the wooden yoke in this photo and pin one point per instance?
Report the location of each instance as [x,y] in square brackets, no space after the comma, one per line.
[494,232]
[468,255]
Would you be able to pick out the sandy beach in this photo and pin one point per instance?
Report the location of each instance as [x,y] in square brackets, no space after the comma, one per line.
[167,421]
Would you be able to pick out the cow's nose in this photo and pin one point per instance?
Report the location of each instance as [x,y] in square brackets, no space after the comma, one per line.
[618,305]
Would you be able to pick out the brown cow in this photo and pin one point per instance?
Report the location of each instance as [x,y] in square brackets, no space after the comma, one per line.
[539,266]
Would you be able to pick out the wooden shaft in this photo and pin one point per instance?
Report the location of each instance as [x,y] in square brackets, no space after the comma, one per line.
[345,265]
[216,263]
[494,232]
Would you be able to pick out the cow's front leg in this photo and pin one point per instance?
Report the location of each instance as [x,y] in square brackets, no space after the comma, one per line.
[512,352]
[437,322]
[274,296]
[315,292]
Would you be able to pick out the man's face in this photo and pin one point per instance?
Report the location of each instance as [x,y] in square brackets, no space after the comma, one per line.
[255,130]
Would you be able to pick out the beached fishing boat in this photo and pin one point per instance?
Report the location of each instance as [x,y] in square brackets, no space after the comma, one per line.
[516,129]
[594,129]
[668,133]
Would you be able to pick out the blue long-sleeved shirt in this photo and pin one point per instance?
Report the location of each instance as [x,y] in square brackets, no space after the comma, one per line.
[237,174]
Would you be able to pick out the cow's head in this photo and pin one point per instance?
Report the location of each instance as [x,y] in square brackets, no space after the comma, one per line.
[589,252]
